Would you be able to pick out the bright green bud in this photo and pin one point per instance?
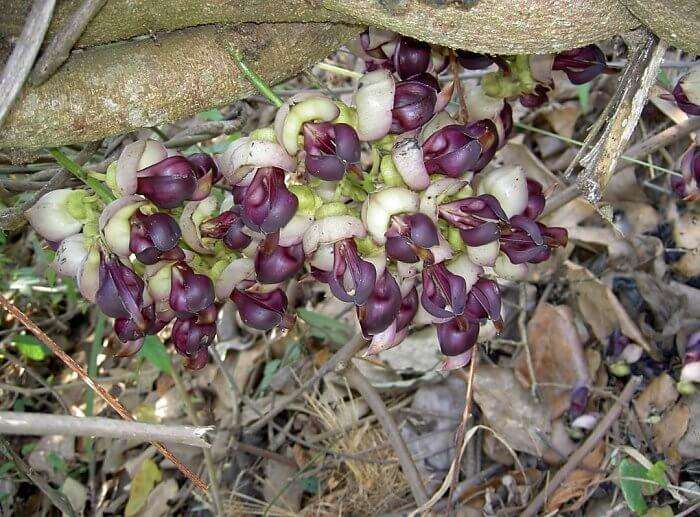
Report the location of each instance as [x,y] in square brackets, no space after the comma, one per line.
[455,239]
[266,134]
[686,388]
[329,209]
[367,247]
[620,369]
[347,115]
[308,200]
[386,143]
[78,205]
[111,177]
[390,176]
[217,268]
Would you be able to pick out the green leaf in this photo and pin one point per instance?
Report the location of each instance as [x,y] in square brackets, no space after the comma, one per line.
[664,80]
[154,351]
[212,114]
[6,467]
[311,485]
[326,328]
[56,462]
[584,91]
[27,448]
[3,237]
[269,371]
[30,347]
[141,486]
[657,473]
[631,488]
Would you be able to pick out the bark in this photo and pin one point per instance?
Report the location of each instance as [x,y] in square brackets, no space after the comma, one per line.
[117,88]
[676,21]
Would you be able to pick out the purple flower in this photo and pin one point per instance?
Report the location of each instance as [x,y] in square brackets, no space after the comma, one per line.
[457,335]
[535,199]
[408,234]
[407,310]
[581,65]
[411,57]
[227,226]
[530,241]
[168,183]
[260,310]
[686,93]
[579,400]
[349,270]
[268,205]
[444,293]
[473,60]
[275,263]
[484,301]
[207,173]
[456,149]
[535,98]
[477,218]
[190,293]
[120,294]
[686,185]
[414,105]
[380,309]
[192,336]
[330,149]
[154,237]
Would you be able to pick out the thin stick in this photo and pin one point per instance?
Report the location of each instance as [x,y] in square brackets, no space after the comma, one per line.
[338,362]
[35,424]
[462,428]
[58,499]
[97,388]
[586,447]
[38,378]
[22,58]
[374,401]
[339,70]
[58,49]
[474,481]
[254,78]
[208,458]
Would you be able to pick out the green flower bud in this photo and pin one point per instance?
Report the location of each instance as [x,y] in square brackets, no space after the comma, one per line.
[367,247]
[619,369]
[347,115]
[111,177]
[455,239]
[266,134]
[386,143]
[329,209]
[78,205]
[308,200]
[390,176]
[686,388]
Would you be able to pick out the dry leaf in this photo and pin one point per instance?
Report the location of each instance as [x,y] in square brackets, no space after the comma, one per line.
[157,504]
[670,429]
[76,493]
[510,410]
[689,446]
[601,309]
[280,487]
[141,486]
[624,186]
[557,355]
[577,484]
[656,398]
[563,118]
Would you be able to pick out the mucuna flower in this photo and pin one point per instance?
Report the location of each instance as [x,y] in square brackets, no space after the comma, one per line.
[351,279]
[581,65]
[229,227]
[414,105]
[268,204]
[381,307]
[206,172]
[477,218]
[691,359]
[261,310]
[138,155]
[54,216]
[686,186]
[168,183]
[444,293]
[330,149]
[275,263]
[455,149]
[192,336]
[190,292]
[411,57]
[687,92]
[457,337]
[408,235]
[474,60]
[529,241]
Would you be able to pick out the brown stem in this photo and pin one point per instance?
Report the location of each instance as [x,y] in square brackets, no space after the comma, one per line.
[97,388]
[586,447]
[337,362]
[374,401]
[62,41]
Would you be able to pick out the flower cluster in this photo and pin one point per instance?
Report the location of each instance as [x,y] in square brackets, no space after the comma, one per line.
[392,203]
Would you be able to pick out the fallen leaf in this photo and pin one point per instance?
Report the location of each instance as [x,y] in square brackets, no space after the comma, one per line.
[157,504]
[48,447]
[667,433]
[510,410]
[76,493]
[601,309]
[563,118]
[656,398]
[689,445]
[577,484]
[624,186]
[280,489]
[557,355]
[141,486]
[639,217]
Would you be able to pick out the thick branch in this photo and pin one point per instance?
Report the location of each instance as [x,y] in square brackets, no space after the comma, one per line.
[118,88]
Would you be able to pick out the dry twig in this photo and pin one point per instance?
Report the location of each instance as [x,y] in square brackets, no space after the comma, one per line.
[58,49]
[97,388]
[586,447]
[27,47]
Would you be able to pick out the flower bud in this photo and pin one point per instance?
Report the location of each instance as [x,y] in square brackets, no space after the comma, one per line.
[330,149]
[206,172]
[411,57]
[457,338]
[687,92]
[135,156]
[381,205]
[268,204]
[51,216]
[260,310]
[581,65]
[579,400]
[291,117]
[407,159]
[275,263]
[381,307]
[168,183]
[455,149]
[115,223]
[414,105]
[71,253]
[229,227]
[509,186]
[154,237]
[374,101]
[473,60]
[408,234]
